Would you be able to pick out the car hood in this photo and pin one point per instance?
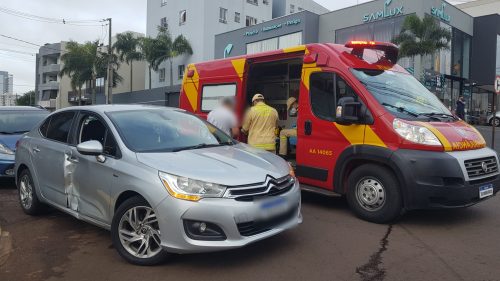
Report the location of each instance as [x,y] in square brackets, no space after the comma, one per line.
[227,165]
[10,140]
[457,136]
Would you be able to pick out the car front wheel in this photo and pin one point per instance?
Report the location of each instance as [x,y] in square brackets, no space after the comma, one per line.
[30,203]
[374,194]
[136,233]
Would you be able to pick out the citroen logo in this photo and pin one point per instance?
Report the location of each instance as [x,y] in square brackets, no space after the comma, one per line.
[484,167]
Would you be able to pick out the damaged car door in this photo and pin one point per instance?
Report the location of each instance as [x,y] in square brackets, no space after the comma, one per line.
[49,154]
[93,174]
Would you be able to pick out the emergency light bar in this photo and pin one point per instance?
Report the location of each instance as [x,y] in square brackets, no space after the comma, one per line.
[358,47]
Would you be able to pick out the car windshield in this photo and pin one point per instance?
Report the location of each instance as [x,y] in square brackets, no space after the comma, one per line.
[158,130]
[402,94]
[18,122]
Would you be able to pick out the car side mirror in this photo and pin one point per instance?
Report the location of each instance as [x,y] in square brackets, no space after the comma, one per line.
[92,148]
[348,111]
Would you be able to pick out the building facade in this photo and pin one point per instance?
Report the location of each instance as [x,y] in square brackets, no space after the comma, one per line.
[459,70]
[54,92]
[6,83]
[200,20]
[287,7]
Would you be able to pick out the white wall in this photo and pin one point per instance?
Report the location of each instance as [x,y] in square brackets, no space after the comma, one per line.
[481,7]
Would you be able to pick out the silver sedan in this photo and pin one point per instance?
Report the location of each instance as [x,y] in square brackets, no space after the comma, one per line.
[162,180]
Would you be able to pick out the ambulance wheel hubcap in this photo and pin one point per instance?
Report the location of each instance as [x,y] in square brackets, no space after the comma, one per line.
[370,194]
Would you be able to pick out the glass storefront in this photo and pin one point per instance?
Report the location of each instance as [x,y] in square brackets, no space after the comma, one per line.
[275,43]
[383,30]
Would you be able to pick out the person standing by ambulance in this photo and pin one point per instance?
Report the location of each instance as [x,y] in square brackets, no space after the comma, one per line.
[292,106]
[260,124]
[224,118]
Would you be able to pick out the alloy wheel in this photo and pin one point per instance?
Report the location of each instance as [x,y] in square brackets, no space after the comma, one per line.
[370,194]
[139,232]
[26,192]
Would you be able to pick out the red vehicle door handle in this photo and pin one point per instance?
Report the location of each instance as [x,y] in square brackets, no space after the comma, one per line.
[308,126]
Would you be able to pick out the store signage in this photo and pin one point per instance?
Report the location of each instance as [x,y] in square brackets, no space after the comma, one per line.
[440,14]
[387,12]
[273,27]
[227,50]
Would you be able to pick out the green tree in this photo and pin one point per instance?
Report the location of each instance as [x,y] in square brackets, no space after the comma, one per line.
[84,63]
[127,47]
[150,53]
[166,49]
[421,37]
[27,99]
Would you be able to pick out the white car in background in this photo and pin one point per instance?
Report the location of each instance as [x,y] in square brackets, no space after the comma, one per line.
[495,120]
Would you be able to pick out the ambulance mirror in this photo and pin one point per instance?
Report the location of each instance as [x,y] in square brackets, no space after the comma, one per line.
[348,111]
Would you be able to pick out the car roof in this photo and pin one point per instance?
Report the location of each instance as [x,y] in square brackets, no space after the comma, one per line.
[21,108]
[117,107]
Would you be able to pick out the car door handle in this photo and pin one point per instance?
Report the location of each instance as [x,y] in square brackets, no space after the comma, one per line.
[70,157]
[36,149]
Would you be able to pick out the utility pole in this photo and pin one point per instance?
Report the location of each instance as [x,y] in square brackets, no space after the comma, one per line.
[110,69]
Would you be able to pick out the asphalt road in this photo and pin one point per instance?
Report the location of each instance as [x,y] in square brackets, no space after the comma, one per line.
[331,244]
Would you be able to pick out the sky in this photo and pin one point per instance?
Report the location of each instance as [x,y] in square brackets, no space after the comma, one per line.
[126,15]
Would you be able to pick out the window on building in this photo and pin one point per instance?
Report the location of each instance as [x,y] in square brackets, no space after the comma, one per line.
[300,9]
[292,8]
[237,17]
[211,95]
[253,2]
[181,68]
[290,40]
[163,22]
[222,15]
[163,2]
[161,74]
[251,21]
[265,2]
[182,17]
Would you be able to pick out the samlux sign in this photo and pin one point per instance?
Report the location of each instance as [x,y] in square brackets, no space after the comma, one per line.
[387,12]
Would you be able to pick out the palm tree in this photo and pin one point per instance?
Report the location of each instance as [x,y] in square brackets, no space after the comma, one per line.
[84,63]
[421,37]
[74,66]
[167,49]
[127,47]
[149,52]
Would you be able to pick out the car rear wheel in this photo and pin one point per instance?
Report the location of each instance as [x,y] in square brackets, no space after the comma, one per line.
[495,122]
[136,233]
[30,203]
[374,194]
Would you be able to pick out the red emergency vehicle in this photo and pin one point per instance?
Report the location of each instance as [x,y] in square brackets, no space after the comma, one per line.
[367,129]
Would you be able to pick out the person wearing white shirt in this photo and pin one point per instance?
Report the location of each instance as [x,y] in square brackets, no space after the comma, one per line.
[224,118]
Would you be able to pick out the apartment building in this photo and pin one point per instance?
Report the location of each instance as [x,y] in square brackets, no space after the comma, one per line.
[6,83]
[287,7]
[54,92]
[200,20]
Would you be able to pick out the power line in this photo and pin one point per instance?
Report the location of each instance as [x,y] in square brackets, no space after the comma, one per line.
[15,51]
[49,20]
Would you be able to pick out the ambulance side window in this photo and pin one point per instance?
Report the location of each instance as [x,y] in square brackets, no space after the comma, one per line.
[325,96]
[322,95]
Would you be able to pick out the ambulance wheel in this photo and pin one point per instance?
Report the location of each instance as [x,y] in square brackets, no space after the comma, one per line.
[373,194]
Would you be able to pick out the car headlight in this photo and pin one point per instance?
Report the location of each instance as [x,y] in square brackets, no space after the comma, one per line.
[415,133]
[190,189]
[5,150]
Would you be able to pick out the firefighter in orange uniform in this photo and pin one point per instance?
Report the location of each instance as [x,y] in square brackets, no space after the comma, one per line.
[260,124]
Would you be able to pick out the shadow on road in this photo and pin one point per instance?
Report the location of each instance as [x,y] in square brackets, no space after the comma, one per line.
[7,183]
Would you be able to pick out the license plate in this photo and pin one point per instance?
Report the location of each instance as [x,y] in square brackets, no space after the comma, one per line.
[272,208]
[485,191]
